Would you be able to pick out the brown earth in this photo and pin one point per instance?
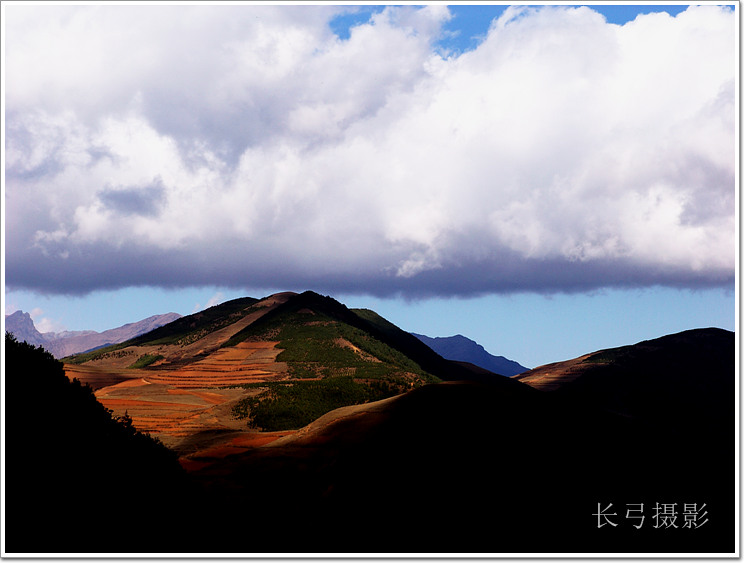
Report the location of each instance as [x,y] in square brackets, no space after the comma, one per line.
[553,376]
[186,402]
[174,405]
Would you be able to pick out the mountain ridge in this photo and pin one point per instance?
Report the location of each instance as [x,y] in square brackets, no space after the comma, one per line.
[656,380]
[463,349]
[65,343]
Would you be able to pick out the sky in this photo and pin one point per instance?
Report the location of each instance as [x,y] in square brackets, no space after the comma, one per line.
[548,180]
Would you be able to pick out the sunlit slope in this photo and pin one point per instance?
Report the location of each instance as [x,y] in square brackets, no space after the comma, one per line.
[367,329]
[252,366]
[176,381]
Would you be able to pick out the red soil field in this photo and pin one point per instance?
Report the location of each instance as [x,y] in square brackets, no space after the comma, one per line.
[180,405]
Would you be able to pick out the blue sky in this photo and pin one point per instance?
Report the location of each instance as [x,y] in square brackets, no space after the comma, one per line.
[560,184]
[530,328]
[469,24]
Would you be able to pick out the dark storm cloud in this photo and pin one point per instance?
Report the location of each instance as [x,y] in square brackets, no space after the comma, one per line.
[94,267]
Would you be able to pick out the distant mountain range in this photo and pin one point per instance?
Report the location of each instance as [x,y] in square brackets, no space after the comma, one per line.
[61,344]
[462,349]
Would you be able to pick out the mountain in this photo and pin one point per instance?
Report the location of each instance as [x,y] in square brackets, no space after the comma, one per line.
[661,382]
[252,369]
[76,343]
[61,344]
[482,467]
[462,349]
[22,327]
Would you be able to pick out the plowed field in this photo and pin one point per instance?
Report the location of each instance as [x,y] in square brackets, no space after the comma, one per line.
[248,362]
[188,407]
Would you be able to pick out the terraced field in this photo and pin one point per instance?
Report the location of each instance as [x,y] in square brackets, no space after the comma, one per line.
[97,378]
[168,413]
[179,392]
[176,404]
[248,362]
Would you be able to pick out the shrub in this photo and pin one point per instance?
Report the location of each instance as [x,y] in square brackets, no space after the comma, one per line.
[145,360]
[292,405]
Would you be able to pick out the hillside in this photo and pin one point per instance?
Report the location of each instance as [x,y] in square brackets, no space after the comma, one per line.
[658,381]
[488,468]
[69,464]
[67,343]
[462,349]
[249,371]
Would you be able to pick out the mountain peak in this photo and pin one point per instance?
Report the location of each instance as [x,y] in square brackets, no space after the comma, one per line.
[61,344]
[22,327]
[463,349]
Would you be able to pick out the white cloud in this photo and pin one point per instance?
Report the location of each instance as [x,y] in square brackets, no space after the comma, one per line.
[44,324]
[216,299]
[268,149]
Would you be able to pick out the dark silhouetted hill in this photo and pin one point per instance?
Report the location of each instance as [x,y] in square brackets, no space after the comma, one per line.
[661,382]
[487,468]
[78,480]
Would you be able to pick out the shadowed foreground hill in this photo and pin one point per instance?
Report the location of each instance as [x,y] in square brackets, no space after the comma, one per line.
[680,383]
[77,480]
[495,468]
[489,466]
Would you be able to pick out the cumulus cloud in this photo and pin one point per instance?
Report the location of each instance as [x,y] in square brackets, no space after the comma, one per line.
[216,299]
[250,146]
[44,324]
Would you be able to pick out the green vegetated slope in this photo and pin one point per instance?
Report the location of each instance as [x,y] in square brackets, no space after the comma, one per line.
[375,328]
[332,361]
[145,360]
[291,405]
[193,327]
